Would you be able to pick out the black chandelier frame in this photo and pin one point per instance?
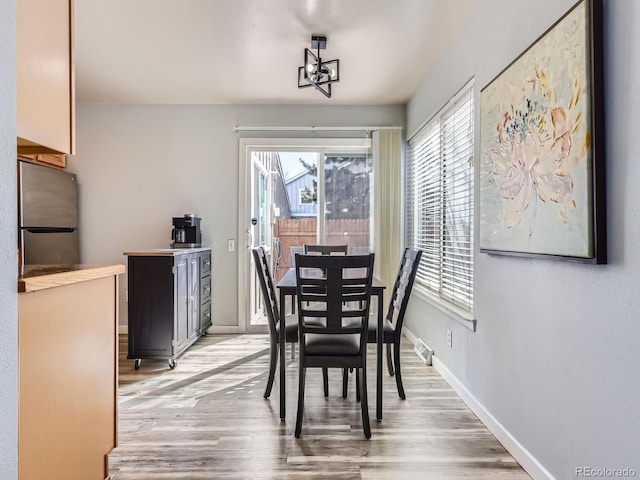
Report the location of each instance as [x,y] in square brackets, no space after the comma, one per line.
[318,73]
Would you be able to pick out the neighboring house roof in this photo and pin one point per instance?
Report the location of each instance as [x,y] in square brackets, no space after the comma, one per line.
[296,177]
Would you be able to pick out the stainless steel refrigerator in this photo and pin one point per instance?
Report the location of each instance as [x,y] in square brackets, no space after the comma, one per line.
[48,215]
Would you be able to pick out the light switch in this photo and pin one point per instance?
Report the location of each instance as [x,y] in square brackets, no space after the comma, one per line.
[231,245]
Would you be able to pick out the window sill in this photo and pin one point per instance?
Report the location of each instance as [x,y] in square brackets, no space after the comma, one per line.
[459,315]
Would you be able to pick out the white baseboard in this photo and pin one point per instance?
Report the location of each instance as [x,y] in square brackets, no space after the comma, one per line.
[124,329]
[528,462]
[409,334]
[223,329]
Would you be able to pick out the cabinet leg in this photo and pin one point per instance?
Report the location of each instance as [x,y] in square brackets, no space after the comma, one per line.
[136,363]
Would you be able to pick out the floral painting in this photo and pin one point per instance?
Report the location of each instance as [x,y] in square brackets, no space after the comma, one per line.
[536,139]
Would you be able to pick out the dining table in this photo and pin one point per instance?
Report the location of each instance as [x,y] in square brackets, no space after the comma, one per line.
[287,288]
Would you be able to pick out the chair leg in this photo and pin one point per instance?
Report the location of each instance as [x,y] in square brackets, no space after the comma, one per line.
[273,360]
[364,406]
[389,362]
[345,382]
[396,360]
[325,381]
[357,384]
[300,400]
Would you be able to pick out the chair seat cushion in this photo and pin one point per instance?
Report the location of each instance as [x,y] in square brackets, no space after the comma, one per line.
[330,345]
[291,326]
[388,329]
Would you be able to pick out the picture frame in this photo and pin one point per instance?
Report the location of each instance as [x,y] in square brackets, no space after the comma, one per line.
[542,169]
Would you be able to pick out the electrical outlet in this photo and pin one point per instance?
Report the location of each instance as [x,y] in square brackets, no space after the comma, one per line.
[231,245]
[449,339]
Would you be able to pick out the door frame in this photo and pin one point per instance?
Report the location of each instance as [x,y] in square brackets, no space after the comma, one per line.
[245,147]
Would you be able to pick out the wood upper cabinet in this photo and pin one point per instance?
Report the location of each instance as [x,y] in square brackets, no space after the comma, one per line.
[49,159]
[45,77]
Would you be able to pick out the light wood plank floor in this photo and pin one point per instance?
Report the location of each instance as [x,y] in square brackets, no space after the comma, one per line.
[207,419]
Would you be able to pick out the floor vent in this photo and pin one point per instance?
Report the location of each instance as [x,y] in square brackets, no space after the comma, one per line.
[423,351]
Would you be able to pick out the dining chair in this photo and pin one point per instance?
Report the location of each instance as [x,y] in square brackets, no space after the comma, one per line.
[394,320]
[312,249]
[273,316]
[292,254]
[325,285]
[325,249]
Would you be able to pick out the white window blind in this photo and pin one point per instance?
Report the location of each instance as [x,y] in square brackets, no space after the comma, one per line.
[439,201]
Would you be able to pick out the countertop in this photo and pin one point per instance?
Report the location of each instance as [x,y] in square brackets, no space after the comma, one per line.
[40,277]
[165,252]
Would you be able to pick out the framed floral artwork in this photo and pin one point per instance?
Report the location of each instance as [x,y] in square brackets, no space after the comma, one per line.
[542,150]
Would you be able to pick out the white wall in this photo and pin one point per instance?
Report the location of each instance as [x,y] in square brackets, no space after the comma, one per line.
[556,355]
[8,246]
[138,166]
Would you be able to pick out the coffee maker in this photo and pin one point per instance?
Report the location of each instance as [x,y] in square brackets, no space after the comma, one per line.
[186,232]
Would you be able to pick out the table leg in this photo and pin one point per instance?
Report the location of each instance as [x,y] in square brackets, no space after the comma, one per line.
[379,338]
[283,409]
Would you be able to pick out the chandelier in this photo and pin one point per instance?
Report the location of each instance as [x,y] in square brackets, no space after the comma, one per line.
[315,72]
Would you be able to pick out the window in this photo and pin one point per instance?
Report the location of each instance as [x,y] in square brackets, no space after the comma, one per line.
[307,196]
[439,201]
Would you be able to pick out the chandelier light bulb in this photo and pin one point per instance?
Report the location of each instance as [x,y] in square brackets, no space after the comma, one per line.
[310,68]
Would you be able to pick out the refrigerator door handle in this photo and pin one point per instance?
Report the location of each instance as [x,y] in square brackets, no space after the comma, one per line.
[49,229]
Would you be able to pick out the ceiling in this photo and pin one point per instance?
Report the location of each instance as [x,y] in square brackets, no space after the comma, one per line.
[249,51]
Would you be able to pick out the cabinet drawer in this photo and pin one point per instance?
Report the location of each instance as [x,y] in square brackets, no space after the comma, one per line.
[205,263]
[205,289]
[206,320]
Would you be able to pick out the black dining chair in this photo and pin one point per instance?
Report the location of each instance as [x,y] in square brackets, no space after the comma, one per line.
[324,249]
[394,320]
[313,249]
[325,285]
[273,316]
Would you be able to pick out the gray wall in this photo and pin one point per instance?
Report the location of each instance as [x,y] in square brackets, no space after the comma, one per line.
[8,246]
[556,353]
[140,165]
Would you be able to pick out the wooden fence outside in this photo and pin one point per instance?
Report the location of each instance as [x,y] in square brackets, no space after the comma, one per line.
[296,232]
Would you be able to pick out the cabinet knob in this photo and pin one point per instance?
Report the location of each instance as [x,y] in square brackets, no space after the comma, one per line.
[207,263]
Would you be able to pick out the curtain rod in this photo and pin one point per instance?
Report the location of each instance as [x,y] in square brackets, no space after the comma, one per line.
[311,129]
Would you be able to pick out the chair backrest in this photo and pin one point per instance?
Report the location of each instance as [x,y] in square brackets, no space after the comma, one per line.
[402,287]
[325,249]
[336,289]
[292,254]
[267,287]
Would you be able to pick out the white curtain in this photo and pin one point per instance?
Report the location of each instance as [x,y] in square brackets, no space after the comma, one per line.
[387,168]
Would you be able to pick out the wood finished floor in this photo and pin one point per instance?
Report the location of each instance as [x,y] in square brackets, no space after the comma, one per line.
[207,419]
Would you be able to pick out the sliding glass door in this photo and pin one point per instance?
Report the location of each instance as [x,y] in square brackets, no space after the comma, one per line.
[305,195]
[347,200]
